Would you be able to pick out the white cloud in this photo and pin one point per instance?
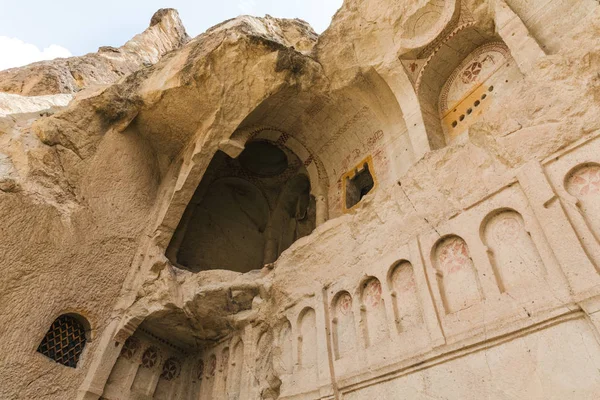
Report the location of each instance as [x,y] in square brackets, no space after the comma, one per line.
[247,6]
[15,52]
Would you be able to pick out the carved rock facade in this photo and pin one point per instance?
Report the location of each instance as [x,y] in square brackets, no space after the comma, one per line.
[405,207]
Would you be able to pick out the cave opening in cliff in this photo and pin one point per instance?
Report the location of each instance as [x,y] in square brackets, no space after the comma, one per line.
[245,212]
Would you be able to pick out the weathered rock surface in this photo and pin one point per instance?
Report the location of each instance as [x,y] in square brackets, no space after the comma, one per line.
[469,265]
[109,64]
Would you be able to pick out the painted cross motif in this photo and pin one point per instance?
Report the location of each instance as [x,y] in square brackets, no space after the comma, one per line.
[131,346]
[171,370]
[373,293]
[345,304]
[453,255]
[586,181]
[404,282]
[150,357]
[472,72]
[507,229]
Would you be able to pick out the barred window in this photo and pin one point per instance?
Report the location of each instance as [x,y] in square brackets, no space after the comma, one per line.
[64,341]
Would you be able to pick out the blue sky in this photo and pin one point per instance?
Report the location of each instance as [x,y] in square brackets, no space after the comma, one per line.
[31,30]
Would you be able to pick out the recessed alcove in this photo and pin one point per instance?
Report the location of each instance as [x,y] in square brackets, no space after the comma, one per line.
[246,211]
[461,81]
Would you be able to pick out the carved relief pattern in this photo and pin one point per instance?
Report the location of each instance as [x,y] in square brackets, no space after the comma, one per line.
[130,348]
[150,357]
[171,370]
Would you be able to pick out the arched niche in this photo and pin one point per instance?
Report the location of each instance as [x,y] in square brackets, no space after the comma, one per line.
[344,331]
[406,304]
[149,370]
[210,372]
[583,183]
[374,316]
[236,370]
[513,254]
[284,359]
[307,339]
[460,81]
[125,369]
[246,211]
[456,275]
[169,380]
[263,358]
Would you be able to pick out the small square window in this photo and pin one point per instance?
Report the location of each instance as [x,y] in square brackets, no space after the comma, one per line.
[358,183]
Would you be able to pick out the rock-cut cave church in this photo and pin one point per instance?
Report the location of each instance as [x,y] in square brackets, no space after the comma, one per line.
[404,207]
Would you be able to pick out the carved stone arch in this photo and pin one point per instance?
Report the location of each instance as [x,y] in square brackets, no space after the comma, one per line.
[307,338]
[344,331]
[513,254]
[284,359]
[406,303]
[435,77]
[236,368]
[318,176]
[457,277]
[373,318]
[582,182]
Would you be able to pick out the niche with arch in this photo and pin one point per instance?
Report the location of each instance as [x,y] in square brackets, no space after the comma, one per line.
[344,331]
[197,375]
[406,303]
[456,275]
[583,183]
[168,381]
[65,340]
[223,372]
[245,211]
[124,371]
[374,318]
[210,372]
[285,356]
[236,370]
[460,80]
[513,254]
[150,367]
[307,339]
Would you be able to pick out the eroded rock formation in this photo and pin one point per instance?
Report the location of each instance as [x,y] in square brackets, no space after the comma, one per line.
[404,207]
[109,64]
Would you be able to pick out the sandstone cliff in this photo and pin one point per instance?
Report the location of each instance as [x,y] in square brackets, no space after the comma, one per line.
[70,75]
